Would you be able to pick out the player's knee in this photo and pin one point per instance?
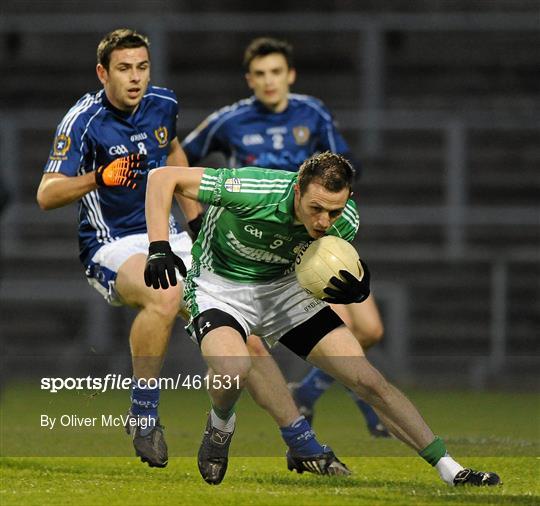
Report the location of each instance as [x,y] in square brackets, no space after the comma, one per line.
[369,335]
[235,368]
[375,334]
[256,347]
[166,303]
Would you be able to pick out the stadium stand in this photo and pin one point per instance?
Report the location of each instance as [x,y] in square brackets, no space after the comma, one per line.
[449,196]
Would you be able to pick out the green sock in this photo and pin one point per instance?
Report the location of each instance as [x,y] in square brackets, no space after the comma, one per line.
[434,451]
[223,419]
[224,414]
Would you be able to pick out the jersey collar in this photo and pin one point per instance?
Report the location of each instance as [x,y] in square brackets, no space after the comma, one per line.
[123,114]
[263,109]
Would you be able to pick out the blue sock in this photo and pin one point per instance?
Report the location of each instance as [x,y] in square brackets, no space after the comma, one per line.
[300,438]
[144,401]
[312,387]
[371,417]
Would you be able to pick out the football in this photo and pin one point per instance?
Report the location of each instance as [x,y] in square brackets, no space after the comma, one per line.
[319,260]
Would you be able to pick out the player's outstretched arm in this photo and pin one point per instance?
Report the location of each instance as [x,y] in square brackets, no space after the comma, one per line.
[57,190]
[191,209]
[163,183]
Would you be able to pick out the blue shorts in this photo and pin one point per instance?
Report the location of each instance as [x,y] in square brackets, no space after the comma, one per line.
[103,268]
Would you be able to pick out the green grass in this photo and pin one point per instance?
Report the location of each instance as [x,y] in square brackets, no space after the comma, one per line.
[255,480]
[489,431]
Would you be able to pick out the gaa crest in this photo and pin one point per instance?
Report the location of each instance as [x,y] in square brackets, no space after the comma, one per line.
[162,136]
[301,134]
[233,185]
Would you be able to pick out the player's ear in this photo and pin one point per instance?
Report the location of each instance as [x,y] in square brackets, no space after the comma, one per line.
[101,72]
[247,75]
[292,76]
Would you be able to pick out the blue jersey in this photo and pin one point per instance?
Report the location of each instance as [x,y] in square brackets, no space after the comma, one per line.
[94,133]
[249,134]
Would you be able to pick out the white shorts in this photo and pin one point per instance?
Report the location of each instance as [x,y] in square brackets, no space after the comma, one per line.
[268,310]
[103,268]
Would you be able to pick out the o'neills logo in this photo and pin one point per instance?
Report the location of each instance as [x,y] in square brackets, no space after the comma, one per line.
[313,304]
[301,251]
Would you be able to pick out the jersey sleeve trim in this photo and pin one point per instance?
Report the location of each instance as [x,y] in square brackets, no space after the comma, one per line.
[314,104]
[164,97]
[217,118]
[241,188]
[74,116]
[214,129]
[325,114]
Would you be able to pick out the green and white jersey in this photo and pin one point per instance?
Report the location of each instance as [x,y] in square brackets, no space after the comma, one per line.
[249,233]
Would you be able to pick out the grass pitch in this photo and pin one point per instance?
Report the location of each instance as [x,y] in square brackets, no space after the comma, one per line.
[488,431]
[255,480]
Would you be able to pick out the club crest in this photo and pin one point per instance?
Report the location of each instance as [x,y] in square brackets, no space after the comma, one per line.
[301,135]
[162,136]
[61,146]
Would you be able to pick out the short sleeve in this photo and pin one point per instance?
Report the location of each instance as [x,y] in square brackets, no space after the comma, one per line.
[204,139]
[68,148]
[243,189]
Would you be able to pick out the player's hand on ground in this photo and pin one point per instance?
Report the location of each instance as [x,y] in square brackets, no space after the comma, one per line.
[349,289]
[160,265]
[123,171]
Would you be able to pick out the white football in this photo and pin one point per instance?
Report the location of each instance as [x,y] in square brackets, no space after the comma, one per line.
[319,260]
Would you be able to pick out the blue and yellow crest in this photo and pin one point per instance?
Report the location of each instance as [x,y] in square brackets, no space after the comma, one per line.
[162,136]
[61,145]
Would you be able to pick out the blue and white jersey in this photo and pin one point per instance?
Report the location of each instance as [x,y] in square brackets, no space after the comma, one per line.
[249,134]
[94,133]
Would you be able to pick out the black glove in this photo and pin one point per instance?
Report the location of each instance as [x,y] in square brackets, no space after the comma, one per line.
[160,263]
[125,171]
[348,291]
[195,226]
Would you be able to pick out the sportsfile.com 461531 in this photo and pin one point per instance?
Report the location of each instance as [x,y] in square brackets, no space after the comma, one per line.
[119,382]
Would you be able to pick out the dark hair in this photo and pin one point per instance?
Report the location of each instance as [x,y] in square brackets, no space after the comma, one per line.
[266,45]
[334,172]
[122,38]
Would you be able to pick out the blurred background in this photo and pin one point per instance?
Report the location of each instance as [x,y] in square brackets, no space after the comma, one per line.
[440,100]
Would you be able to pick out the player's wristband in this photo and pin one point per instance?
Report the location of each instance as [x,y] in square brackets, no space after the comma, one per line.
[159,247]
